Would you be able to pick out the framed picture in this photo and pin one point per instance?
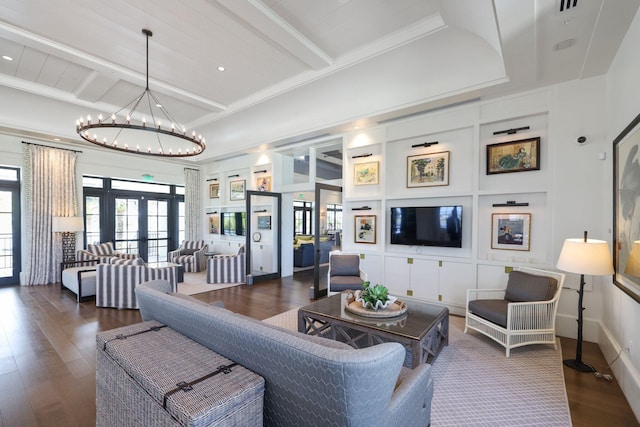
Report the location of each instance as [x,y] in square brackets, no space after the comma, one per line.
[514,156]
[365,229]
[365,173]
[264,222]
[263,183]
[214,223]
[427,170]
[626,210]
[510,231]
[236,189]
[214,191]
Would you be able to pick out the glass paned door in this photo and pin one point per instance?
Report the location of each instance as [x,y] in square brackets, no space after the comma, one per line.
[157,230]
[9,237]
[127,225]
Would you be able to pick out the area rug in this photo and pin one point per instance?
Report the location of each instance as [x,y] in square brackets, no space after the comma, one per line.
[477,385]
[196,283]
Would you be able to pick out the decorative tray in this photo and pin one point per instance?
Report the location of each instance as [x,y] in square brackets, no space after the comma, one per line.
[397,308]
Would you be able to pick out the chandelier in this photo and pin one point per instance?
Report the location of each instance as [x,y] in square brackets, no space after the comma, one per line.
[132,133]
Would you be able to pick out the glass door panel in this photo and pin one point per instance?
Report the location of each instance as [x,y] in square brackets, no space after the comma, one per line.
[92,219]
[157,230]
[328,214]
[127,225]
[9,237]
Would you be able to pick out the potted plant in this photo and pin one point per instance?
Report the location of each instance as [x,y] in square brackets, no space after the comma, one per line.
[374,297]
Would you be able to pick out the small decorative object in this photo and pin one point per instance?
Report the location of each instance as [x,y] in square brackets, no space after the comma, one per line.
[374,301]
[365,229]
[264,222]
[374,297]
[365,173]
[514,156]
[428,170]
[237,189]
[626,208]
[214,224]
[256,236]
[511,231]
[263,183]
[214,191]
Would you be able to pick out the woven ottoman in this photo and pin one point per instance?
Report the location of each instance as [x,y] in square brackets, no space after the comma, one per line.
[150,375]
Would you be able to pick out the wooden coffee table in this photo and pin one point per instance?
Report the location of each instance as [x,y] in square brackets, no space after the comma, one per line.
[423,329]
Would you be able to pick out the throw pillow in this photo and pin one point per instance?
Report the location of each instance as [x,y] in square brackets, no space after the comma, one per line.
[523,287]
[188,251]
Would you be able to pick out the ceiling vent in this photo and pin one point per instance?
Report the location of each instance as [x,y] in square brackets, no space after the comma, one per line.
[567,5]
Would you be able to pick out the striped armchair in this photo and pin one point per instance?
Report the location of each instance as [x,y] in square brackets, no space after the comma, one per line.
[116,283]
[227,268]
[103,252]
[190,254]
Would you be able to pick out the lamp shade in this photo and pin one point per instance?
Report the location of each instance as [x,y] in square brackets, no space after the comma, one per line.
[63,224]
[633,263]
[591,257]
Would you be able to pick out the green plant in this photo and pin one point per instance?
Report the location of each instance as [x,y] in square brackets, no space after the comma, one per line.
[372,294]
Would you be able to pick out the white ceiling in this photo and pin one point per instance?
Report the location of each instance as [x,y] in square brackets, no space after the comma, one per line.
[294,68]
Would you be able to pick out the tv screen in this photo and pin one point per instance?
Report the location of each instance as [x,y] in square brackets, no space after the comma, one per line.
[427,226]
[234,223]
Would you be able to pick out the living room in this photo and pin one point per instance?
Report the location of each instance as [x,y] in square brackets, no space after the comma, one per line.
[571,191]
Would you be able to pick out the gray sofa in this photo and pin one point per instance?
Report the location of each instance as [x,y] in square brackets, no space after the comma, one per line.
[310,381]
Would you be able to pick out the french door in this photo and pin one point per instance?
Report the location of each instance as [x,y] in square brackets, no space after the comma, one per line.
[142,226]
[9,234]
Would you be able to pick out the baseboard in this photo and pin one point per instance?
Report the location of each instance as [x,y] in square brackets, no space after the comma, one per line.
[626,374]
[567,326]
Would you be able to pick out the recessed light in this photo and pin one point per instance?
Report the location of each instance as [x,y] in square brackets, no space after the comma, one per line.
[7,57]
[159,105]
[221,68]
[56,139]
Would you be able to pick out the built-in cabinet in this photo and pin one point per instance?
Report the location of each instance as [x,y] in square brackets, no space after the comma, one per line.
[444,274]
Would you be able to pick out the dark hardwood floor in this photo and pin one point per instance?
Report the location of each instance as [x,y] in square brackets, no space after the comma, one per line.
[47,354]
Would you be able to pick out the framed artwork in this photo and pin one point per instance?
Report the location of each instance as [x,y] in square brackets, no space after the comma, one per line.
[264,222]
[366,173]
[214,224]
[427,170]
[263,183]
[626,210]
[236,189]
[365,229]
[510,231]
[514,156]
[214,191]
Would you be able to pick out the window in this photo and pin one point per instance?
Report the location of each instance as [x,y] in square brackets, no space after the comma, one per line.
[334,217]
[92,219]
[302,214]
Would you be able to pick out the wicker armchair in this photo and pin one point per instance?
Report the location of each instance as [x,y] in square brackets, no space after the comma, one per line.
[522,314]
[190,254]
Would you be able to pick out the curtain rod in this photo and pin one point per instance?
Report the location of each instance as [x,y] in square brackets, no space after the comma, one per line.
[50,146]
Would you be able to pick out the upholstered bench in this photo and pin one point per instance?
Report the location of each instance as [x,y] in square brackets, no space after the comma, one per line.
[81,281]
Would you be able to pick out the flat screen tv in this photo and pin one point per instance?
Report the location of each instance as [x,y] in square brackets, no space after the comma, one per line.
[234,223]
[427,226]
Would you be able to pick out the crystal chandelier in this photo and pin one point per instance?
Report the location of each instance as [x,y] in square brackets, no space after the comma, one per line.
[129,131]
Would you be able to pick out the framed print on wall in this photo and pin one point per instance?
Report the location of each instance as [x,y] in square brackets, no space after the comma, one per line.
[366,173]
[626,210]
[214,191]
[427,170]
[365,229]
[237,189]
[264,222]
[514,156]
[214,224]
[510,231]
[263,183]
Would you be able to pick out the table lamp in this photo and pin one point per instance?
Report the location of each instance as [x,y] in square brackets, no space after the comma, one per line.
[68,226]
[584,256]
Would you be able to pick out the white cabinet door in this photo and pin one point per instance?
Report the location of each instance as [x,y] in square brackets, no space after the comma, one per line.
[397,275]
[424,279]
[372,265]
[455,279]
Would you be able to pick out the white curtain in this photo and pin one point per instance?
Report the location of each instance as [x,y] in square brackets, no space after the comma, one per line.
[192,214]
[49,190]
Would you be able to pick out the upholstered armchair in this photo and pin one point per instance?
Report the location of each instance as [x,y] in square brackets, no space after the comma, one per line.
[103,252]
[190,254]
[522,314]
[344,272]
[227,268]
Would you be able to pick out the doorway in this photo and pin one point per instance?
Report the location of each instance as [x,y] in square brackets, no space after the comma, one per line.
[327,198]
[264,235]
[9,226]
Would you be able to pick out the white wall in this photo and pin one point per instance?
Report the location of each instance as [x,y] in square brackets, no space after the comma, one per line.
[621,314]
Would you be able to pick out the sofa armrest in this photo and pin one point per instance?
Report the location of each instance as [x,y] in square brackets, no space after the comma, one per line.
[410,403]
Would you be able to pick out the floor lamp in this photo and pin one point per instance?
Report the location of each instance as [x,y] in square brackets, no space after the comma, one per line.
[590,257]
[68,226]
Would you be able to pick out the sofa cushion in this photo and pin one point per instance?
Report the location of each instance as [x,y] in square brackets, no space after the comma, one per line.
[345,283]
[122,261]
[523,287]
[494,310]
[345,265]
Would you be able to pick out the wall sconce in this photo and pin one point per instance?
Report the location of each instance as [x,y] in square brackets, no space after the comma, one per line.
[260,211]
[261,171]
[233,176]
[362,155]
[511,131]
[509,203]
[363,208]
[424,144]
[212,213]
